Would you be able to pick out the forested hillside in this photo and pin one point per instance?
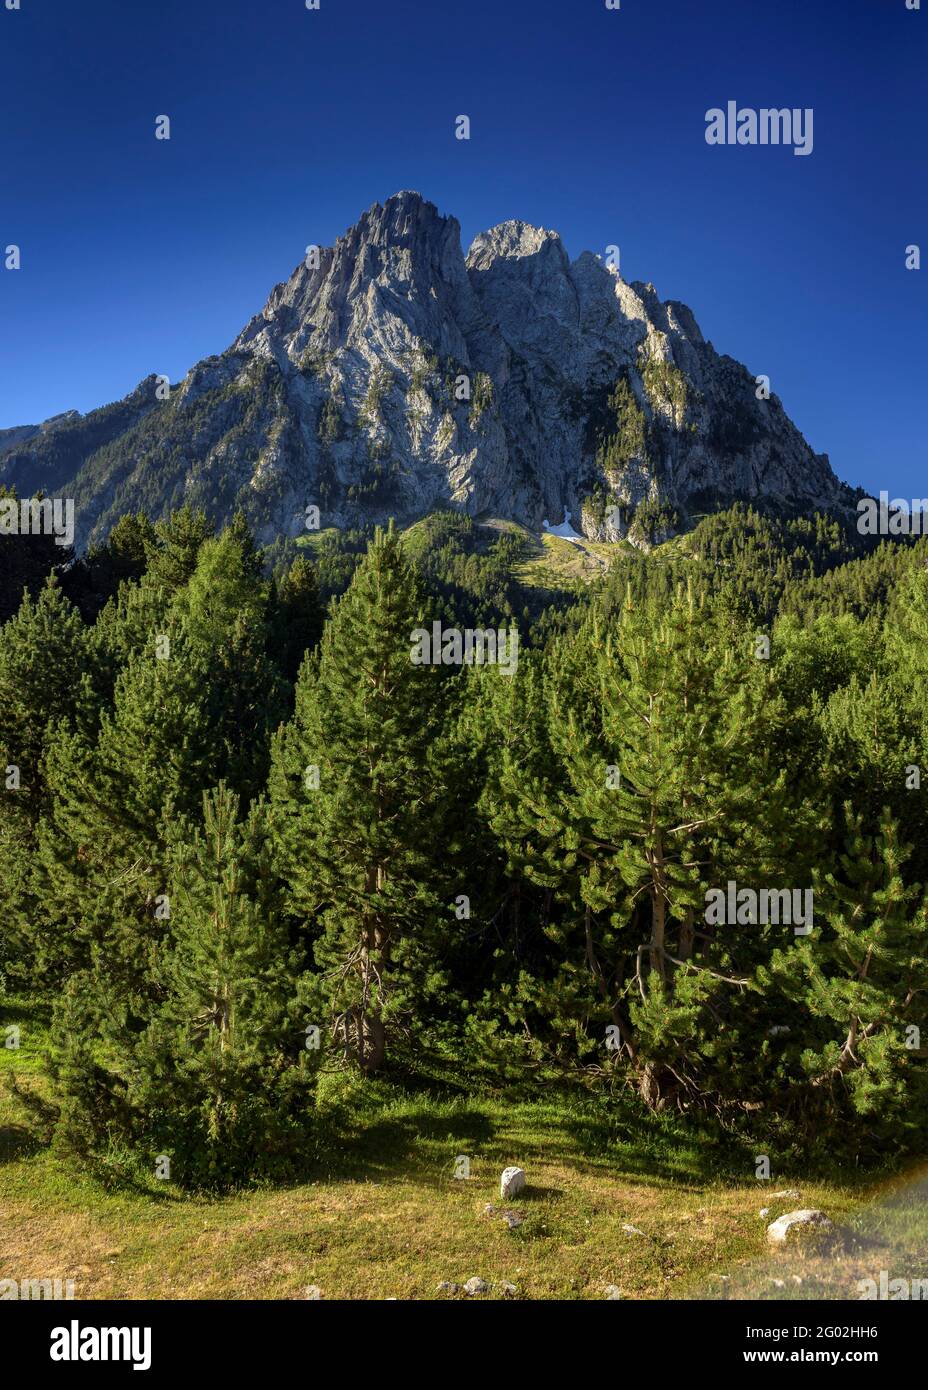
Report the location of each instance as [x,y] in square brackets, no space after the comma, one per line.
[247,837]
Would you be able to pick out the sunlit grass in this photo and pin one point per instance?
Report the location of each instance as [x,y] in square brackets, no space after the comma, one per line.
[382,1214]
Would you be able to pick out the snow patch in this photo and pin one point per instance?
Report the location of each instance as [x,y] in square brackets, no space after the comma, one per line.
[565,530]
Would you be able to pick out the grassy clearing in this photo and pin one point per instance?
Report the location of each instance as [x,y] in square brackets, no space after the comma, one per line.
[559,564]
[383,1215]
[552,564]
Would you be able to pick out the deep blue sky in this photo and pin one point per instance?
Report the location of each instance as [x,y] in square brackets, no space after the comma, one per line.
[143,256]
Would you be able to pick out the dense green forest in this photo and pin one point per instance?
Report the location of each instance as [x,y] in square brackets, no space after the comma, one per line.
[245,837]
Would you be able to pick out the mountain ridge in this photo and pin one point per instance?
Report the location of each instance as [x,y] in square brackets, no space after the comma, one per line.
[392,373]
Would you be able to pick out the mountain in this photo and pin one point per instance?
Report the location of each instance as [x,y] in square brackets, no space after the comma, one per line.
[21,434]
[391,375]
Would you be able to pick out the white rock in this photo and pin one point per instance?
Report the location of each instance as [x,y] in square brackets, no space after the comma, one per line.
[797,1222]
[508,1290]
[612,1291]
[512,1182]
[313,1291]
[475,1286]
[631,1230]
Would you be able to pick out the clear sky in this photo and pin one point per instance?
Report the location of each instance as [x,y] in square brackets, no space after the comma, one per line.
[143,256]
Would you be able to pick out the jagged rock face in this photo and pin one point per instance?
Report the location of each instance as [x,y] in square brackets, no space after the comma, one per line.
[390,375]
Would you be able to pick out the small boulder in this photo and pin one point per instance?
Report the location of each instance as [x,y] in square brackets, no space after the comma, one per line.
[631,1230]
[512,1182]
[612,1291]
[447,1287]
[508,1290]
[475,1286]
[796,1225]
[513,1219]
[313,1291]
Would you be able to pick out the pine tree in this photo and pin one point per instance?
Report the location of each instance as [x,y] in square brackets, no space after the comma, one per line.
[859,983]
[225,613]
[45,652]
[26,559]
[172,554]
[96,577]
[664,785]
[355,790]
[296,617]
[47,673]
[223,1077]
[193,704]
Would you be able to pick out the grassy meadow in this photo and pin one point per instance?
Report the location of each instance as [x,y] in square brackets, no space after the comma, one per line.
[381,1214]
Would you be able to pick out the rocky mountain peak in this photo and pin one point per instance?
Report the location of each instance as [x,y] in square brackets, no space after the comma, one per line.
[513,240]
[390,375]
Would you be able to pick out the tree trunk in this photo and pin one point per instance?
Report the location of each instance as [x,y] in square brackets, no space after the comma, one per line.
[687,935]
[658,911]
[651,1086]
[370,1033]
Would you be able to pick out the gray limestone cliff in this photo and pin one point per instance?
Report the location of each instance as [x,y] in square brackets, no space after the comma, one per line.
[391,374]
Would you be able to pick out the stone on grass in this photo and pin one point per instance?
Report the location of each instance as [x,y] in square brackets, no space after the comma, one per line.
[313,1291]
[513,1219]
[512,1182]
[612,1291]
[475,1286]
[508,1290]
[447,1287]
[795,1225]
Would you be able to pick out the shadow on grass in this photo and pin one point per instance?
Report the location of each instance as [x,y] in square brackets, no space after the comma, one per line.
[118,1178]
[17,1142]
[536,1192]
[397,1147]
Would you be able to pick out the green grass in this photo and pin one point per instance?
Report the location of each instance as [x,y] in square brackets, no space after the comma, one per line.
[557,564]
[552,567]
[382,1215]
